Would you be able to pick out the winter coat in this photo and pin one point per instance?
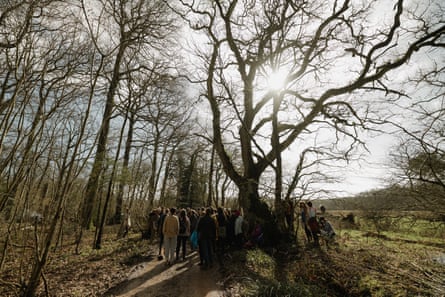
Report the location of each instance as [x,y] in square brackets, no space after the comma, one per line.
[206,228]
[171,226]
[186,221]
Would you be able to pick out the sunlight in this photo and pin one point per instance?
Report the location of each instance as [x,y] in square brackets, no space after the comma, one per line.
[276,80]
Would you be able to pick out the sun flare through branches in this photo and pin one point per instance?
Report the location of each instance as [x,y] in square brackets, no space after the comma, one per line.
[276,80]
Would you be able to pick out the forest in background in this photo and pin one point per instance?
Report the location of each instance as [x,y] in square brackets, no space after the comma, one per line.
[113,108]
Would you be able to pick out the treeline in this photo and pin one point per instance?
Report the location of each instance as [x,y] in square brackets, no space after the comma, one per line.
[393,199]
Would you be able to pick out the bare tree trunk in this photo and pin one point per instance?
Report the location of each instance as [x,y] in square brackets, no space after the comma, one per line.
[225,184]
[165,156]
[100,158]
[279,207]
[124,175]
[154,170]
[191,170]
[4,249]
[82,131]
[166,175]
[103,218]
[210,178]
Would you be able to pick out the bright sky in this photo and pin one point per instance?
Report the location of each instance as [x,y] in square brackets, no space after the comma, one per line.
[372,171]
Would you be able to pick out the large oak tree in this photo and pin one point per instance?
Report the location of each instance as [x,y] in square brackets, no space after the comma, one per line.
[338,57]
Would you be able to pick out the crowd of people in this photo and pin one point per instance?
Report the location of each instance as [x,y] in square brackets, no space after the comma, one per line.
[212,232]
[209,231]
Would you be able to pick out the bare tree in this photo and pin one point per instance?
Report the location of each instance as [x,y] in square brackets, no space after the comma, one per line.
[337,56]
[44,129]
[133,102]
[140,26]
[419,158]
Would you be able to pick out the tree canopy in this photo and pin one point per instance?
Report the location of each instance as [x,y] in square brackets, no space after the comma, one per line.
[342,62]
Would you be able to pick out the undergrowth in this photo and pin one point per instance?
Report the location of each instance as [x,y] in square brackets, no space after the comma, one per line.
[360,265]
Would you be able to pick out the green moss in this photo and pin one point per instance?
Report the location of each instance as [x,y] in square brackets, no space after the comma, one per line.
[261,263]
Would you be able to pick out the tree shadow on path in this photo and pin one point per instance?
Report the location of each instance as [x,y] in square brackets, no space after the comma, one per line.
[156,279]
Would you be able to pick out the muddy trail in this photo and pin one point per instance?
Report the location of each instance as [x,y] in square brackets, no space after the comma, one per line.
[155,278]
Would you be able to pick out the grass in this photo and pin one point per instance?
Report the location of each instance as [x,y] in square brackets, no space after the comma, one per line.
[365,263]
[261,264]
[409,223]
[264,276]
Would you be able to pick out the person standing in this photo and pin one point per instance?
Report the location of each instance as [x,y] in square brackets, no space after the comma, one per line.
[193,217]
[160,231]
[201,214]
[222,235]
[184,233]
[153,219]
[230,228]
[304,218]
[207,234]
[313,223]
[171,231]
[239,232]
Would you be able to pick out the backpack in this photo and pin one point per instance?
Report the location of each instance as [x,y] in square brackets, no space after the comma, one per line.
[182,227]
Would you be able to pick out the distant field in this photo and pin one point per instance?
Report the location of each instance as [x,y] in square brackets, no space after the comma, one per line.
[413,225]
[427,215]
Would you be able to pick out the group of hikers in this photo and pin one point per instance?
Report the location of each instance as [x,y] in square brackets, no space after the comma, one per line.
[315,226]
[212,232]
[209,231]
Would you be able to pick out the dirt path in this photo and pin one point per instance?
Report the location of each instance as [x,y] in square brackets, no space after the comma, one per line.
[183,279]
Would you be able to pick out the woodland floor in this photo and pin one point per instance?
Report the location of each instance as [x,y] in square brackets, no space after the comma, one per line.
[184,278]
[361,265]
